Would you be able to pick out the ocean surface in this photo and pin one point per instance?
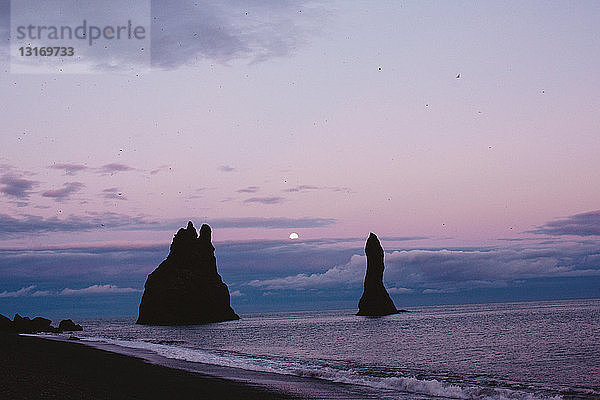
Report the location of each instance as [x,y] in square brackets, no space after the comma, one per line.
[530,350]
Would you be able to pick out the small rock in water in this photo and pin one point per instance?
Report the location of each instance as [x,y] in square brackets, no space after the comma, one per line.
[69,326]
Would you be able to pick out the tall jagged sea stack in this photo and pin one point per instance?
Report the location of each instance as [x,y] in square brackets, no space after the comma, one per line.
[186,288]
[375,300]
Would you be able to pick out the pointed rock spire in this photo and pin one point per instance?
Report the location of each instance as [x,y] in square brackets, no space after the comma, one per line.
[375,300]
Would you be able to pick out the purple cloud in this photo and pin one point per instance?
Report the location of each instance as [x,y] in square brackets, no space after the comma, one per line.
[114,168]
[159,169]
[306,188]
[70,169]
[583,224]
[226,168]
[265,200]
[302,188]
[16,187]
[65,192]
[29,291]
[225,31]
[113,193]
[399,290]
[97,289]
[33,224]
[249,189]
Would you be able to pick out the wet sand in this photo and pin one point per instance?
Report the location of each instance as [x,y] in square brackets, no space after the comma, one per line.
[35,368]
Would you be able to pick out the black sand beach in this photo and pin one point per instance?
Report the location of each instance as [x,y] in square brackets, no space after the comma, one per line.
[35,368]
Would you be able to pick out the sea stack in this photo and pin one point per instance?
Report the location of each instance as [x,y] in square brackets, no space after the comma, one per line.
[186,288]
[375,300]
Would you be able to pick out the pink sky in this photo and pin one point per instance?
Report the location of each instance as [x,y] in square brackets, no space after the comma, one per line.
[361,119]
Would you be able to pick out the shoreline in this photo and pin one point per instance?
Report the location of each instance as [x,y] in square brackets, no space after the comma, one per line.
[296,386]
[34,368]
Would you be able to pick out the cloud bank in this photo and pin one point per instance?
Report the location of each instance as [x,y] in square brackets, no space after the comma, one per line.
[31,291]
[444,271]
[97,289]
[17,187]
[185,32]
[32,224]
[284,274]
[584,224]
[11,226]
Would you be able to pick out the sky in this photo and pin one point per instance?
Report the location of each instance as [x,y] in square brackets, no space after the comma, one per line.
[465,135]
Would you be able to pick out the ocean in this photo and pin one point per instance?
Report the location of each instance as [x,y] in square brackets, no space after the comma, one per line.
[528,350]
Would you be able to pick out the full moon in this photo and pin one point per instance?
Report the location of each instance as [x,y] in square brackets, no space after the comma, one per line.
[293,235]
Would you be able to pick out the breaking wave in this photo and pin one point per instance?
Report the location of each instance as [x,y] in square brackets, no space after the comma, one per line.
[325,370]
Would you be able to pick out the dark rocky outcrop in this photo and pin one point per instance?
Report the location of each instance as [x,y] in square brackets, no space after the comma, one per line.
[186,288]
[26,325]
[38,324]
[67,325]
[375,300]
[6,325]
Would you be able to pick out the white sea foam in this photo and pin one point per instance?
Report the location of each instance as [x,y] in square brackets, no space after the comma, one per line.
[402,384]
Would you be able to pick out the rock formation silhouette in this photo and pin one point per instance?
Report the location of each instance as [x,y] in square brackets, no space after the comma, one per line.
[67,325]
[186,288]
[38,324]
[375,300]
